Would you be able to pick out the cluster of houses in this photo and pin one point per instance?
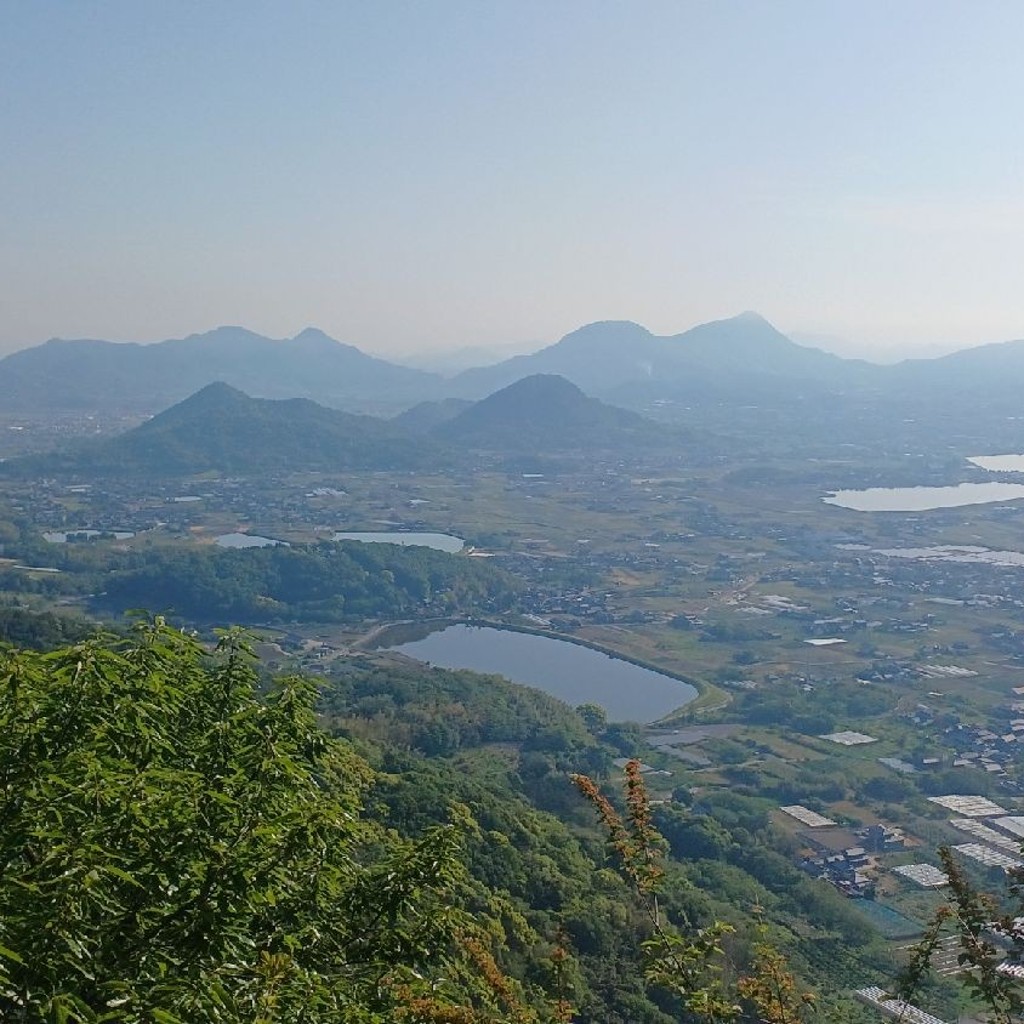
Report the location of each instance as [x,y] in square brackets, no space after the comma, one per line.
[992,750]
[849,868]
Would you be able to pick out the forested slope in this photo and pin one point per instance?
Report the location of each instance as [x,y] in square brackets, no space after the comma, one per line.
[183,843]
[507,752]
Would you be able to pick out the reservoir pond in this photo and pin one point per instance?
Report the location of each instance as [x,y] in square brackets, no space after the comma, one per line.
[245,540]
[438,541]
[958,553]
[999,463]
[571,672]
[923,499]
[62,536]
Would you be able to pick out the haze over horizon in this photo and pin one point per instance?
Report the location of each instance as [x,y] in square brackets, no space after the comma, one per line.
[413,177]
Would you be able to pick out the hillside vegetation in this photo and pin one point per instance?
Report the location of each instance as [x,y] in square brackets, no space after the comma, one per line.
[183,843]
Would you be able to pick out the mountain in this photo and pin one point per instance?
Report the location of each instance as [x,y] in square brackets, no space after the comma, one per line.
[449,362]
[427,416]
[997,365]
[722,357]
[582,357]
[81,376]
[731,375]
[545,412]
[220,429]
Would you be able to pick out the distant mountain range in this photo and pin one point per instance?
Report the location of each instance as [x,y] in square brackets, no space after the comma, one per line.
[604,357]
[82,376]
[703,373]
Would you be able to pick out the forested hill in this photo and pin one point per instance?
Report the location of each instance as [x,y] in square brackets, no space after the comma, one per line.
[547,412]
[436,836]
[220,429]
[325,582]
[507,752]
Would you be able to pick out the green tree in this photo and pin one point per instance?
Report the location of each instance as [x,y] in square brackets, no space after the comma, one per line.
[177,847]
[690,963]
[986,934]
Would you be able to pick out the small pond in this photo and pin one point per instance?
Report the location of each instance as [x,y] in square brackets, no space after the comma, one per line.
[64,536]
[438,541]
[571,672]
[246,540]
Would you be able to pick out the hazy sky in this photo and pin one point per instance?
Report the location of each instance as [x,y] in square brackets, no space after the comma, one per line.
[442,173]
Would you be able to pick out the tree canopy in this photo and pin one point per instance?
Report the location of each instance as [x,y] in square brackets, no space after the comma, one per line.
[324,582]
[182,841]
[175,846]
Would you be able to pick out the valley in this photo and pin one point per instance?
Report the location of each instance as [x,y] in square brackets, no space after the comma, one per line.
[848,614]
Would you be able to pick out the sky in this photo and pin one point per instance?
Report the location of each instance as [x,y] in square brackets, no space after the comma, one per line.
[420,176]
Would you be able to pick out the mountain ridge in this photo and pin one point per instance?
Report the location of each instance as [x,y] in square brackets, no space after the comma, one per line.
[87,373]
[221,429]
[603,356]
[740,360]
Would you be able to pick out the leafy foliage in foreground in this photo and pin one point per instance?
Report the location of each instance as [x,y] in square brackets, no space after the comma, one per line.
[173,847]
[690,964]
[986,934]
[507,752]
[178,846]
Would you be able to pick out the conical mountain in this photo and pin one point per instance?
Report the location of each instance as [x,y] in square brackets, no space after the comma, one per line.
[749,344]
[546,412]
[222,430]
[594,357]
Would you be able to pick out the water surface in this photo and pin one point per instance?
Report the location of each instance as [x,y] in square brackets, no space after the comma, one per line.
[958,553]
[999,463]
[246,540]
[923,499]
[61,536]
[568,671]
[438,541]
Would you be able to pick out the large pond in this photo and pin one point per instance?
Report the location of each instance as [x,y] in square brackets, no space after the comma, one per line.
[999,463]
[958,553]
[438,541]
[922,499]
[568,671]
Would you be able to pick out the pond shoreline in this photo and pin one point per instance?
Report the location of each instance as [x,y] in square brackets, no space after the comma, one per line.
[376,640]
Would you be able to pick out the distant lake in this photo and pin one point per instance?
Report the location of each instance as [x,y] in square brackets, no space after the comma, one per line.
[61,536]
[999,463]
[958,553]
[568,671]
[438,541]
[246,540]
[922,499]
